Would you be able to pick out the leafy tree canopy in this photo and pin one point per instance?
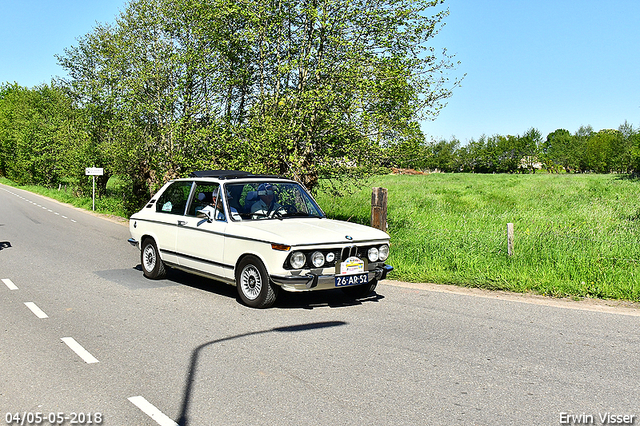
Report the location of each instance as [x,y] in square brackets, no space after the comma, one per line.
[308,89]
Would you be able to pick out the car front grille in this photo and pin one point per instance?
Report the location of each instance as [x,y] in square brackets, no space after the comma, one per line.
[348,251]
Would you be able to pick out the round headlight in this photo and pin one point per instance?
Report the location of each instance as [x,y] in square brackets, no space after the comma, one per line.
[383,252]
[373,254]
[317,259]
[297,260]
[331,256]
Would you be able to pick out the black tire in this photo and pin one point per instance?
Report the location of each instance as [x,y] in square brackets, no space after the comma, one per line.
[254,286]
[360,291]
[152,265]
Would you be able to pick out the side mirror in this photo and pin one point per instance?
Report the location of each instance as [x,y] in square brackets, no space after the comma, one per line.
[205,213]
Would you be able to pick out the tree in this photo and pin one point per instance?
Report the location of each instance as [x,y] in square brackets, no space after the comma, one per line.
[408,151]
[479,156]
[444,155]
[508,153]
[623,152]
[631,138]
[562,149]
[307,89]
[529,145]
[41,135]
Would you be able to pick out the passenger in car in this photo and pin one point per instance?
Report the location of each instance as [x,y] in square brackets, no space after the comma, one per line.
[215,208]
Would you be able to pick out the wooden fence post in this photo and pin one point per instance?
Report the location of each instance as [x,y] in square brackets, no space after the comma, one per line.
[379,209]
[510,238]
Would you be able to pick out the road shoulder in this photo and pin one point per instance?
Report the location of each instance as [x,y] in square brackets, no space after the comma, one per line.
[620,307]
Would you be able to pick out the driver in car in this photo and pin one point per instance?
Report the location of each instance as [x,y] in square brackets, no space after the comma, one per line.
[266,206]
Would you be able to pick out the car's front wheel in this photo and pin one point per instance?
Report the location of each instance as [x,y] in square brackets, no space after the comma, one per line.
[254,287]
[360,291]
[152,265]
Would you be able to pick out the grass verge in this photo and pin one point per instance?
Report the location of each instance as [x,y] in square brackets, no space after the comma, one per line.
[575,235]
[111,204]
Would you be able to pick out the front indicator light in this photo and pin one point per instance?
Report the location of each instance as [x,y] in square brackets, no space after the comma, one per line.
[280,247]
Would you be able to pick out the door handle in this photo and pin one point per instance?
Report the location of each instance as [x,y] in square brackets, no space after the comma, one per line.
[182,222]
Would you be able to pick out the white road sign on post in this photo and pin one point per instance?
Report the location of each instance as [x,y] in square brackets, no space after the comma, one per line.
[94,171]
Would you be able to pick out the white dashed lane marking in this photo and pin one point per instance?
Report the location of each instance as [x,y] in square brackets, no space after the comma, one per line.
[145,406]
[10,285]
[79,350]
[38,205]
[36,311]
[151,411]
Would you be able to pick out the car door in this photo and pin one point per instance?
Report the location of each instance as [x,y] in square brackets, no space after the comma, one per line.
[170,212]
[200,241]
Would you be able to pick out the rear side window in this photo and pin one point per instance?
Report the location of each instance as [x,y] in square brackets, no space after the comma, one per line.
[174,199]
[206,194]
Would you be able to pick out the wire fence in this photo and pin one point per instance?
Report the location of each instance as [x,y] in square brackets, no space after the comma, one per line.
[617,244]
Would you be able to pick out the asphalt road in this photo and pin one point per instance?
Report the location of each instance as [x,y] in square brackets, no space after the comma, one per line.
[183,350]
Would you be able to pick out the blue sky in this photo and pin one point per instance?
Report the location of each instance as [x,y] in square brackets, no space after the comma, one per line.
[546,64]
[33,31]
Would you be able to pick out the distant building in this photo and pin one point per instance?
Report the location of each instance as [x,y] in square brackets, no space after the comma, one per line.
[530,162]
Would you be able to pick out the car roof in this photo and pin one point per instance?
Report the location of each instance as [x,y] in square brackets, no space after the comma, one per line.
[229,174]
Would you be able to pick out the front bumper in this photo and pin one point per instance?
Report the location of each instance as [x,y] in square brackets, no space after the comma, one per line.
[133,242]
[313,281]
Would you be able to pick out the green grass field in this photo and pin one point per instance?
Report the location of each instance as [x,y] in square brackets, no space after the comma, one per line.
[575,235]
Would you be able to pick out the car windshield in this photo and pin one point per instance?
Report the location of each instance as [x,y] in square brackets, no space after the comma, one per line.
[269,200]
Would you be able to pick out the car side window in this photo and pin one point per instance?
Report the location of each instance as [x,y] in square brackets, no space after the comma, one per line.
[174,199]
[206,196]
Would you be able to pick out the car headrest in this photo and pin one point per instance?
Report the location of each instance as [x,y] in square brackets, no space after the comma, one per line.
[205,197]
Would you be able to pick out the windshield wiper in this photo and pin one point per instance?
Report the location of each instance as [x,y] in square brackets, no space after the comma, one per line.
[301,214]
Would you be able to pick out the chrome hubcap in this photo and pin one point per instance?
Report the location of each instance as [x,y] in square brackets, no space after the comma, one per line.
[250,282]
[149,258]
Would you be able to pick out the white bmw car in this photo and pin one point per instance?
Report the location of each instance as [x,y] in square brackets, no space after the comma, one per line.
[260,233]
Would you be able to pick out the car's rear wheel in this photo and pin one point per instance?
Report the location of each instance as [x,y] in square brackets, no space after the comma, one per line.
[360,291]
[152,265]
[254,287]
